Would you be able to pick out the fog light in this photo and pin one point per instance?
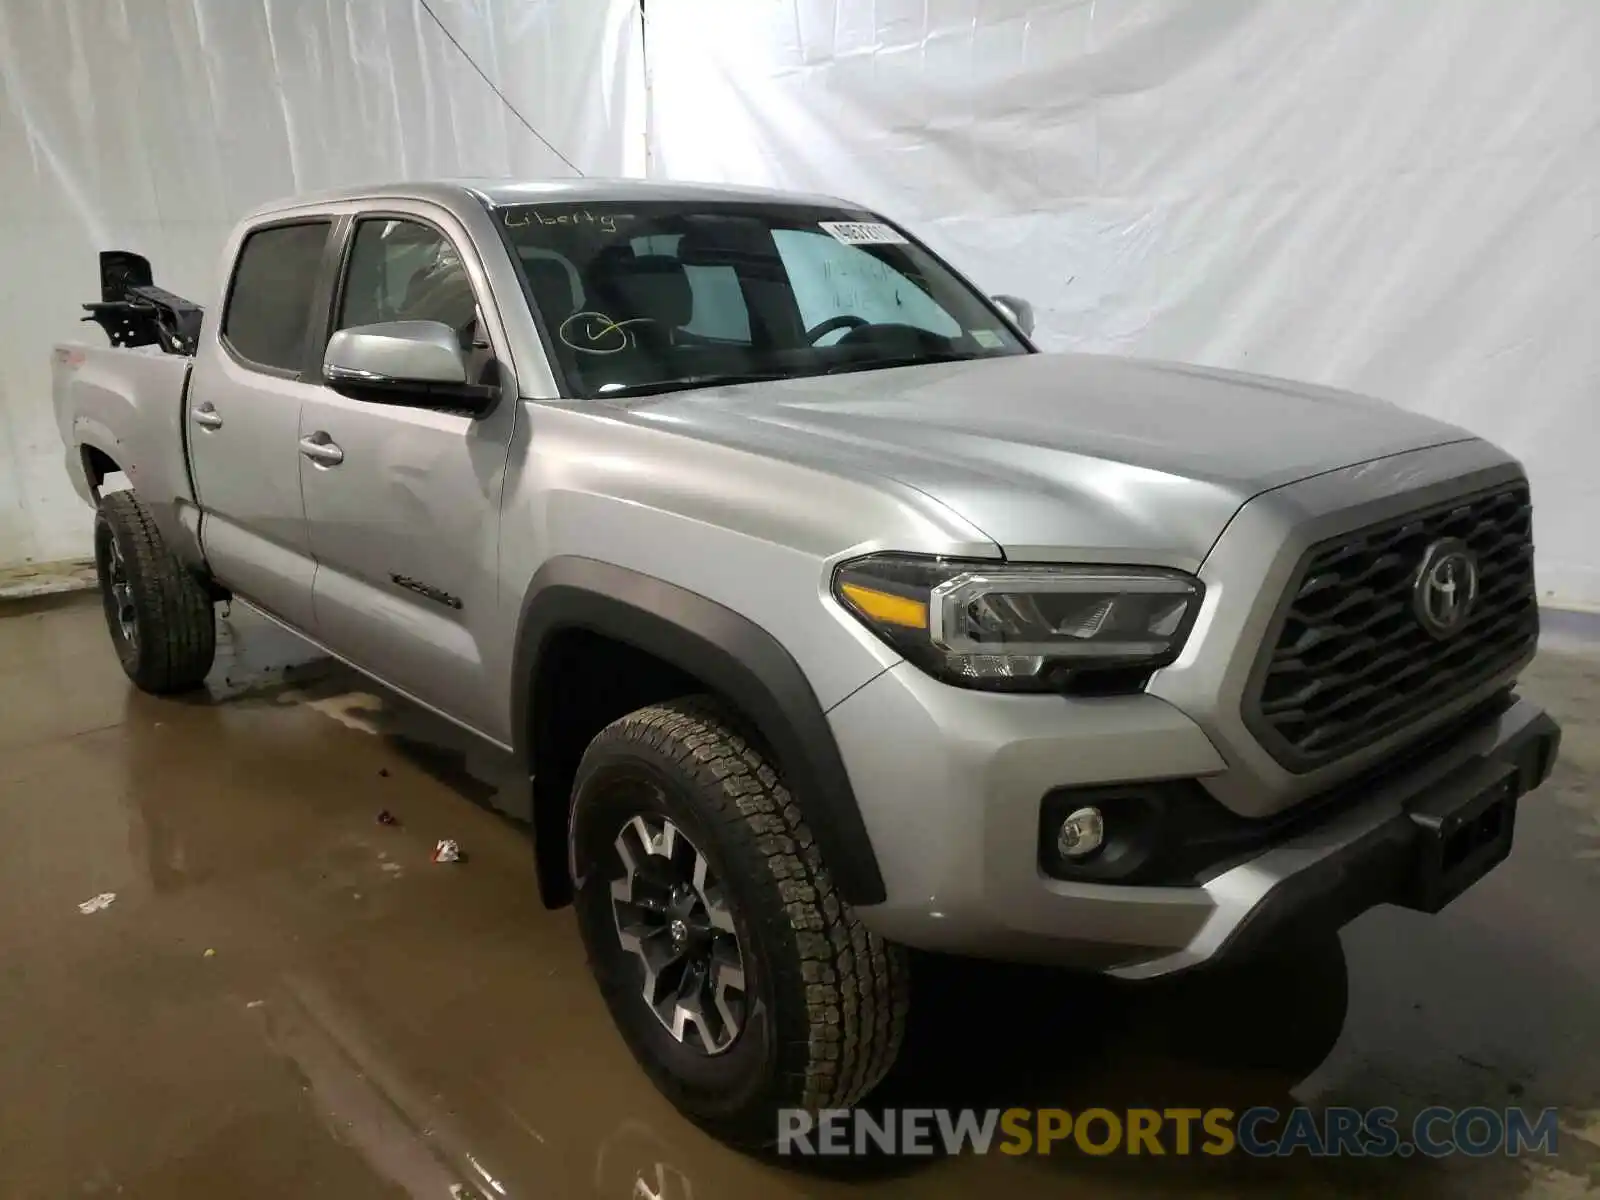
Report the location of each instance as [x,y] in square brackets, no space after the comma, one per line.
[1081,834]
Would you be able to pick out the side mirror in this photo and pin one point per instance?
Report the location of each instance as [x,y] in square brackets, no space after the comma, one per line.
[417,362]
[1019,310]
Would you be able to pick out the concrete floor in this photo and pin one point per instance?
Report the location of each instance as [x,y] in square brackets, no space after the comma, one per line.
[287,998]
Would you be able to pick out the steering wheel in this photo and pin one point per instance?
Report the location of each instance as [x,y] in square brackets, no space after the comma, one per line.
[843,321]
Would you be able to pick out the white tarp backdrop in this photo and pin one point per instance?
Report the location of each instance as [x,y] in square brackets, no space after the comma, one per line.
[154,125]
[1397,196]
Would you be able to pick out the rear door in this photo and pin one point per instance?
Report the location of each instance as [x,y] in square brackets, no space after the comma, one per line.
[404,515]
[250,379]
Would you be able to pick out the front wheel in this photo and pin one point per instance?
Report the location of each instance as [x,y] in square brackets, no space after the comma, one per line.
[162,623]
[739,979]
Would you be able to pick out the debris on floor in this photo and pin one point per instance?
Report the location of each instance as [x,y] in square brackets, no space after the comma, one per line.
[387,818]
[210,953]
[95,903]
[446,851]
[46,579]
[367,989]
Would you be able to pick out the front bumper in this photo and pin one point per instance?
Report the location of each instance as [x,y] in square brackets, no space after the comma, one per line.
[950,784]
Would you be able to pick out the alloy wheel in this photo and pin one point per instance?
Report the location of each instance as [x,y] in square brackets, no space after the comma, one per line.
[672,914]
[121,593]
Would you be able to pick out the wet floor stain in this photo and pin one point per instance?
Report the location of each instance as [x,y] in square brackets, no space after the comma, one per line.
[370,1023]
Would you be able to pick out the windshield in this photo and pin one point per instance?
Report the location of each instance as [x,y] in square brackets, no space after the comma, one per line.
[648,297]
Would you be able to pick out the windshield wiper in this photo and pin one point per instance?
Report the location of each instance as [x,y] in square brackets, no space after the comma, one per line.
[902,360]
[650,387]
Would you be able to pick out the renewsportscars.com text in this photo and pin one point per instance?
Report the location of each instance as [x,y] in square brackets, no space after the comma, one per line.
[1259,1132]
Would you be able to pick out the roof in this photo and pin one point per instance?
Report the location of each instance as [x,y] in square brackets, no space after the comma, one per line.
[501,192]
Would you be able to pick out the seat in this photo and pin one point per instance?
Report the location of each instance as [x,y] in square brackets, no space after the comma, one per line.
[654,287]
[440,292]
[552,288]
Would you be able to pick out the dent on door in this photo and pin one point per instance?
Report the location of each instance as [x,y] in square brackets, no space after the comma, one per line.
[404,530]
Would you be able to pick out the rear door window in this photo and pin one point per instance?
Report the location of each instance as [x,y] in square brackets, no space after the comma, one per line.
[268,313]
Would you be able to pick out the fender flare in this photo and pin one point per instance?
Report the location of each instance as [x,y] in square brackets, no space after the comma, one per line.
[95,437]
[734,657]
[178,521]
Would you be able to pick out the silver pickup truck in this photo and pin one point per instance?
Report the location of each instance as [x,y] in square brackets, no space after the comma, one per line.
[828,615]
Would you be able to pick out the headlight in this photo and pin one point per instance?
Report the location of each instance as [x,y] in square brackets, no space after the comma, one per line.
[1012,628]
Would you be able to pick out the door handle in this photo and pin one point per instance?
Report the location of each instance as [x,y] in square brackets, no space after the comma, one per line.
[206,416]
[320,449]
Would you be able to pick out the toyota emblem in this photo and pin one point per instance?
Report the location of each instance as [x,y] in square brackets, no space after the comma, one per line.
[1446,587]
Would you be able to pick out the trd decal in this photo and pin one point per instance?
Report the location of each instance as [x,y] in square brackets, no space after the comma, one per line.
[423,589]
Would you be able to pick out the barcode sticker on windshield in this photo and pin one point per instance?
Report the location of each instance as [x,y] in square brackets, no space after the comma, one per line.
[863,233]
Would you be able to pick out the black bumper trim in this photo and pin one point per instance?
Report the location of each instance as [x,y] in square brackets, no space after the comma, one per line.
[1173,833]
[1387,864]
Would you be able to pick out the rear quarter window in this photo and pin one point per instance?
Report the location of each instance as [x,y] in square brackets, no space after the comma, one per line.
[268,312]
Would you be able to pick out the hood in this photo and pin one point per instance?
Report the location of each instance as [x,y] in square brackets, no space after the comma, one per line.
[1051,454]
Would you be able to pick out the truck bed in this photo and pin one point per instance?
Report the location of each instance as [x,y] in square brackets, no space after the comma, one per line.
[127,404]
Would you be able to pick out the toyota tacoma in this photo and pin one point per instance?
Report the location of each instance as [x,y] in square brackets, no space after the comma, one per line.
[829,616]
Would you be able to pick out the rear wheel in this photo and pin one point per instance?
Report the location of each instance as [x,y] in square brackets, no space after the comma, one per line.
[739,979]
[161,620]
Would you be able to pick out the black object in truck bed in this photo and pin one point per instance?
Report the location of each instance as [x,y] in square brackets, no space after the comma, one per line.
[134,312]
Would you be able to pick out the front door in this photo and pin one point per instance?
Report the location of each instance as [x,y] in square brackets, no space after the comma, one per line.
[403,502]
[244,419]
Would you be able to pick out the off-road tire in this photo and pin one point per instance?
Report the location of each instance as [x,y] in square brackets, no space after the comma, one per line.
[828,999]
[174,621]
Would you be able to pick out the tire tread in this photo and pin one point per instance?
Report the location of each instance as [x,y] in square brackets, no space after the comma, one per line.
[177,621]
[855,982]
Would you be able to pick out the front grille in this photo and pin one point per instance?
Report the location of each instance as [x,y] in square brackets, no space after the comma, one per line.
[1352,664]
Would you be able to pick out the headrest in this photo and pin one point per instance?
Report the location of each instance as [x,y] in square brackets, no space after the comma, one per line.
[648,285]
[552,287]
[440,292]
